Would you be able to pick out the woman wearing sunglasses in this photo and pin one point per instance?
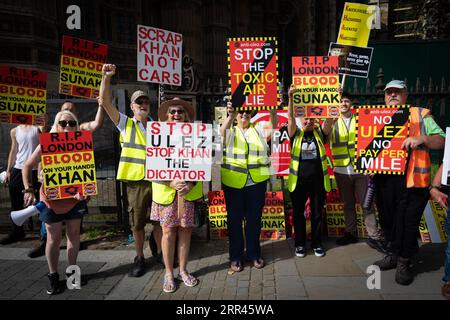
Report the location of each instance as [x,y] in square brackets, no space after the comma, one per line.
[308,176]
[176,222]
[245,171]
[68,210]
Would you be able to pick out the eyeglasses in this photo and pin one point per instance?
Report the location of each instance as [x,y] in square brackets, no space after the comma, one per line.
[142,101]
[179,111]
[65,123]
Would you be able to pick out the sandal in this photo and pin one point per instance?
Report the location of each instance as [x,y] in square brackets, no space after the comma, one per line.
[258,263]
[236,266]
[188,279]
[169,285]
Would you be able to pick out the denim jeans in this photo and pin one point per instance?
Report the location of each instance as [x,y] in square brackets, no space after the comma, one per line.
[447,250]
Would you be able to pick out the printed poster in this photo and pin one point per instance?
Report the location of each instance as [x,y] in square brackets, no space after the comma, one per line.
[353,61]
[68,164]
[316,79]
[380,132]
[23,96]
[253,72]
[81,67]
[356,23]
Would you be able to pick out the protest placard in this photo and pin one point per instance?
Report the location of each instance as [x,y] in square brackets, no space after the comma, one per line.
[380,132]
[253,72]
[159,56]
[180,151]
[68,164]
[445,180]
[280,156]
[356,23]
[353,61]
[272,220]
[23,95]
[432,223]
[335,220]
[81,67]
[316,79]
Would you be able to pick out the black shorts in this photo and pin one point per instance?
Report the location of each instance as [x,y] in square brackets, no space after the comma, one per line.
[77,212]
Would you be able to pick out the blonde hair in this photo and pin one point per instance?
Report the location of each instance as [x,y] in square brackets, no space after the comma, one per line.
[58,117]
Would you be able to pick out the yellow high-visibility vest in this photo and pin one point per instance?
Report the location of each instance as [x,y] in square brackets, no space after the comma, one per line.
[343,142]
[242,157]
[165,195]
[295,159]
[132,158]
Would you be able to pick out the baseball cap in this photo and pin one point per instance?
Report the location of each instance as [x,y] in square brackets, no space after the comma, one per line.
[137,94]
[396,84]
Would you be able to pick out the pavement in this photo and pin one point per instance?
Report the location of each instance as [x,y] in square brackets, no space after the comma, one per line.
[341,274]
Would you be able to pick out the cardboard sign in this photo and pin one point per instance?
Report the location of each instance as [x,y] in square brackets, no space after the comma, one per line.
[446,163]
[353,61]
[81,67]
[253,72]
[317,80]
[356,24]
[272,220]
[68,164]
[380,132]
[280,156]
[23,96]
[180,151]
[159,56]
[432,224]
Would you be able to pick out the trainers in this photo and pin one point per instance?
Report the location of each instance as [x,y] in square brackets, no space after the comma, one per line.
[138,268]
[378,245]
[346,239]
[300,252]
[319,252]
[54,283]
[446,289]
[14,236]
[388,262]
[403,274]
[39,250]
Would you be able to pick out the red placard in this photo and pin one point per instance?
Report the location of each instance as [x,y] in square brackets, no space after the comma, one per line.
[381,131]
[253,72]
[23,95]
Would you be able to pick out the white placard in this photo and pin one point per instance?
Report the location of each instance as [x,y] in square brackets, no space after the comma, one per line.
[178,151]
[159,56]
[446,163]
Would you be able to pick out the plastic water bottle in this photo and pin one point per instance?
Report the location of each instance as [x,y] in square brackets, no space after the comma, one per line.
[370,194]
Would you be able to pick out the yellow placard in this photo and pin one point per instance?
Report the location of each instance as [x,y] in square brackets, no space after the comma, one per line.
[356,24]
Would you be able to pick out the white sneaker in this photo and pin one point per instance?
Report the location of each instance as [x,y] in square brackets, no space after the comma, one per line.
[319,252]
[300,252]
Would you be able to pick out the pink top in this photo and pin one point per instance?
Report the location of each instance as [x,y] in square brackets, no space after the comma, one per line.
[61,206]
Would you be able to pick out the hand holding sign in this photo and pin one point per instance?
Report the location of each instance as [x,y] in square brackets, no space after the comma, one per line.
[413,142]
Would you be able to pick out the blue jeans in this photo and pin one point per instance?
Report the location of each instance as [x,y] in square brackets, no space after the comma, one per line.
[447,251]
[246,203]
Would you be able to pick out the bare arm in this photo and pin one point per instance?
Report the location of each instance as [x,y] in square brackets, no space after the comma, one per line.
[228,122]
[435,193]
[98,121]
[12,155]
[105,93]
[271,125]
[292,126]
[33,160]
[327,125]
[432,142]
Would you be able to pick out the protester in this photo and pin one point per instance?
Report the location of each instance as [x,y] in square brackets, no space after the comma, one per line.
[24,140]
[352,186]
[401,199]
[442,199]
[245,171]
[69,211]
[132,160]
[176,222]
[85,126]
[308,177]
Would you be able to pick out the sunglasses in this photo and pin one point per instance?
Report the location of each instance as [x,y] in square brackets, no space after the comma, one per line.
[179,111]
[65,123]
[142,101]
[245,111]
